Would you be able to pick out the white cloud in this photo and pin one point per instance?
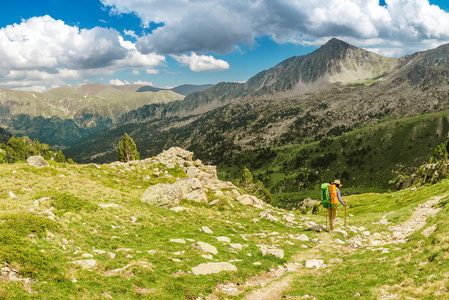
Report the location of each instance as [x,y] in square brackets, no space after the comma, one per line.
[36,88]
[42,51]
[130,33]
[201,63]
[143,82]
[118,82]
[135,72]
[219,26]
[152,71]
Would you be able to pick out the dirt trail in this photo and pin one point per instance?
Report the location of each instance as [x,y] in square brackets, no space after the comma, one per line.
[274,283]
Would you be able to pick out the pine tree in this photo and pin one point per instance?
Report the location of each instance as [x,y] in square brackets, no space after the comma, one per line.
[258,188]
[127,149]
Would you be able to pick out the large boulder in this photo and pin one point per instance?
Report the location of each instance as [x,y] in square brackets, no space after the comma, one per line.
[250,200]
[37,161]
[162,195]
[188,184]
[192,189]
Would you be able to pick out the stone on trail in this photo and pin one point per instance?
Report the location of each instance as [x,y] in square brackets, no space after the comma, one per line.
[314,263]
[309,224]
[37,161]
[317,228]
[213,267]
[205,247]
[162,195]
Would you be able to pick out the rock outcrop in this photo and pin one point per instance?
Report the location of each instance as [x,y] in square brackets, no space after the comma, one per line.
[37,162]
[162,195]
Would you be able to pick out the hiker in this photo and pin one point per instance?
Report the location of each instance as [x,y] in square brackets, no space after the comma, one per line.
[334,191]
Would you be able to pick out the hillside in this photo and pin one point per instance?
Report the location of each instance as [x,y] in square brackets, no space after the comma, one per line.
[66,115]
[81,231]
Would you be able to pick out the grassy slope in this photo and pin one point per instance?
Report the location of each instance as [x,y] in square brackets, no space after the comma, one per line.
[82,226]
[366,159]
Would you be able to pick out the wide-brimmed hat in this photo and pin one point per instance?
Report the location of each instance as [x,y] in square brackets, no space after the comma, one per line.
[337,182]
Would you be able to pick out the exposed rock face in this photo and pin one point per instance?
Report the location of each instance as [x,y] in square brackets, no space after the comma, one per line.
[37,162]
[162,195]
[213,267]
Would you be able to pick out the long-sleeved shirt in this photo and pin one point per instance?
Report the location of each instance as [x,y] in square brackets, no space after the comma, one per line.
[339,197]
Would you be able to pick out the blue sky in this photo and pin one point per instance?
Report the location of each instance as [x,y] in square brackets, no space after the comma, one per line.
[49,43]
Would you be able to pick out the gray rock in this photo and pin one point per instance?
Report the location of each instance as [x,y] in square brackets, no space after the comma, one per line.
[249,200]
[87,264]
[223,239]
[317,228]
[179,208]
[205,247]
[213,267]
[303,238]
[37,162]
[236,246]
[179,241]
[196,195]
[212,203]
[314,263]
[275,252]
[162,195]
[309,224]
[188,184]
[206,229]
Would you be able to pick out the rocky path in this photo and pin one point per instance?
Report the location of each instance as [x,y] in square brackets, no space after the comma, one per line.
[272,287]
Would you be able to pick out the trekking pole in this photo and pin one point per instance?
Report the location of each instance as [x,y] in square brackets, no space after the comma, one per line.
[346,204]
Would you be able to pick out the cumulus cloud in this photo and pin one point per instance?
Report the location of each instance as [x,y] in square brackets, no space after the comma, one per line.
[201,63]
[118,82]
[218,26]
[42,51]
[143,82]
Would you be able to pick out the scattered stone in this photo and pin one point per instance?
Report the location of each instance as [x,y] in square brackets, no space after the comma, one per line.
[219,193]
[37,161]
[262,235]
[257,263]
[340,242]
[87,264]
[162,195]
[116,271]
[205,247]
[275,252]
[179,253]
[213,267]
[361,229]
[303,238]
[223,239]
[317,228]
[236,246]
[207,256]
[235,192]
[268,214]
[212,203]
[87,255]
[179,241]
[146,177]
[309,224]
[366,233]
[345,234]
[206,229]
[314,263]
[12,195]
[249,200]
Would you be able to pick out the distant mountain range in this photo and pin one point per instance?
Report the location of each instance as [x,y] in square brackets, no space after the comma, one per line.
[185,89]
[303,99]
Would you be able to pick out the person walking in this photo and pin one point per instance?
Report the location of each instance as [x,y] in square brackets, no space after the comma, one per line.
[334,191]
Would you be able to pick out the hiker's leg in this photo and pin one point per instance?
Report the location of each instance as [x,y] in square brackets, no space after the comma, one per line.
[329,218]
[333,215]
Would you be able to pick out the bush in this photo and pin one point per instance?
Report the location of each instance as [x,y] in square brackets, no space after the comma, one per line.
[70,202]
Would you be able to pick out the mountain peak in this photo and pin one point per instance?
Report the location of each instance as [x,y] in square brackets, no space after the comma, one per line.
[335,44]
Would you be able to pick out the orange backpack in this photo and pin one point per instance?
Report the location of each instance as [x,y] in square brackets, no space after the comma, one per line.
[334,195]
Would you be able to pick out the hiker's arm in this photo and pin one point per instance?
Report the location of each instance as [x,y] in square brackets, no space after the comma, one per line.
[339,198]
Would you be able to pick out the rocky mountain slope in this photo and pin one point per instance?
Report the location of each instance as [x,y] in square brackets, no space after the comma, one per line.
[128,230]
